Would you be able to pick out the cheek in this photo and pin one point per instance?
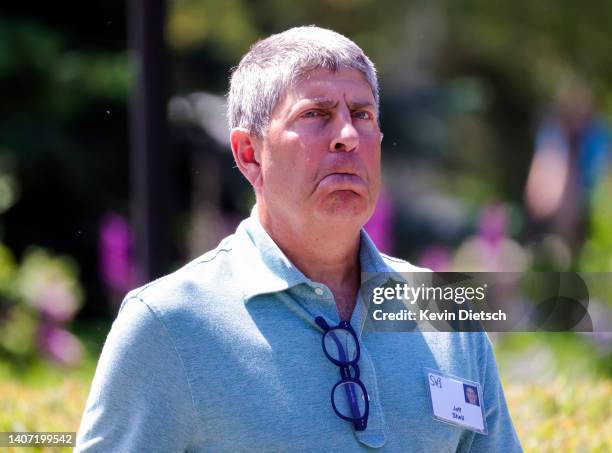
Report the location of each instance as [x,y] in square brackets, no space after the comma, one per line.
[372,156]
[289,164]
[279,157]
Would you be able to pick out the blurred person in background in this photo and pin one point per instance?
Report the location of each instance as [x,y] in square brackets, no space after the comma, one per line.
[244,347]
[572,153]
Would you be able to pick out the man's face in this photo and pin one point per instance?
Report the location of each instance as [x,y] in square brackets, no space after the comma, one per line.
[320,158]
[471,395]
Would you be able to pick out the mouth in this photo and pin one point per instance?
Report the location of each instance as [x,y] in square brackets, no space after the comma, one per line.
[343,173]
[343,181]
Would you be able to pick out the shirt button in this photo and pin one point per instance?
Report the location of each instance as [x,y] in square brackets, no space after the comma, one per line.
[319,291]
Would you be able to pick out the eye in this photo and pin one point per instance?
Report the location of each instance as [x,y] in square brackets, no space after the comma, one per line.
[314,114]
[362,115]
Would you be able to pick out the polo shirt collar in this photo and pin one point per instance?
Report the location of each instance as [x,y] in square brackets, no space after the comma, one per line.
[265,269]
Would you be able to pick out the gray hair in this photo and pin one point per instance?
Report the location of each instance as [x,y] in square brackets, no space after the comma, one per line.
[275,63]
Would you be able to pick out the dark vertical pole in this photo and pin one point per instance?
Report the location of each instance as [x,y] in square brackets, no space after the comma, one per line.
[149,158]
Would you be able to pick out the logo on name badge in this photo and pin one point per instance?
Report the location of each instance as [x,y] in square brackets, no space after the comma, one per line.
[456,401]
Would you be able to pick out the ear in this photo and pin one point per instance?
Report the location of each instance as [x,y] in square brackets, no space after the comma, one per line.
[246,151]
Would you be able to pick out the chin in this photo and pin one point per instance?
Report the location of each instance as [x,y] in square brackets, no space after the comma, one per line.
[346,207]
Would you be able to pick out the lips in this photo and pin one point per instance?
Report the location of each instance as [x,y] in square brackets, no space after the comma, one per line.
[342,174]
[344,167]
[343,181]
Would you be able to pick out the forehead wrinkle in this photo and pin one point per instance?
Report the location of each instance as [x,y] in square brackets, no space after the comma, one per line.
[326,103]
[301,94]
[318,102]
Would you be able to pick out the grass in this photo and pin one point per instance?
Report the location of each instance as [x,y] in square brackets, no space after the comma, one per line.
[563,415]
[558,391]
[39,396]
[42,408]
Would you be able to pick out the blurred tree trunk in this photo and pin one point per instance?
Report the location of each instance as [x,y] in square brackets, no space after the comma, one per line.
[150,161]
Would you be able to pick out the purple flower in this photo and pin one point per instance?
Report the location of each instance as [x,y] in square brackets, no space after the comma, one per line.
[436,258]
[380,225]
[57,302]
[116,266]
[59,345]
[492,223]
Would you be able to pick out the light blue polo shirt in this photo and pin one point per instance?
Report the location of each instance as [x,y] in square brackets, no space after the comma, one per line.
[224,355]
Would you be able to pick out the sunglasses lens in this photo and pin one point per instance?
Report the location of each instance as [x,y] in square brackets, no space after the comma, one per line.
[340,345]
[349,400]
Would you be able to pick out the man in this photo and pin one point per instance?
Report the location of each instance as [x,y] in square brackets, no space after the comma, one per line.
[471,394]
[226,353]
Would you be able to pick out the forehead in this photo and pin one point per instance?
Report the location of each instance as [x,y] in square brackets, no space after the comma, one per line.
[319,84]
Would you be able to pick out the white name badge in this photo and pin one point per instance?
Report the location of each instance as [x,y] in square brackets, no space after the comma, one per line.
[456,401]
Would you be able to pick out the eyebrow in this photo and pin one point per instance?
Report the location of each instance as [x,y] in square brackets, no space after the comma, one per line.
[360,105]
[326,103]
[323,103]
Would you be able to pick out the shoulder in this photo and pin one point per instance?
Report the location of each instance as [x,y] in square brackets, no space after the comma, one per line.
[400,265]
[192,286]
[465,354]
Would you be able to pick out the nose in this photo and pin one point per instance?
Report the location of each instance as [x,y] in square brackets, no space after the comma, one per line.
[345,136]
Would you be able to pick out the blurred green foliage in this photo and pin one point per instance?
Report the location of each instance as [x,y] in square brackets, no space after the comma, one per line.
[535,44]
[539,44]
[52,80]
[562,415]
[597,252]
[63,133]
[42,292]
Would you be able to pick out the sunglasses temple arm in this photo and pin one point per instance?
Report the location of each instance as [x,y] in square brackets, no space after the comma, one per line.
[352,398]
[341,353]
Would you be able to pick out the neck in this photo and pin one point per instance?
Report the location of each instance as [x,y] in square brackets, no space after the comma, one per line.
[327,254]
